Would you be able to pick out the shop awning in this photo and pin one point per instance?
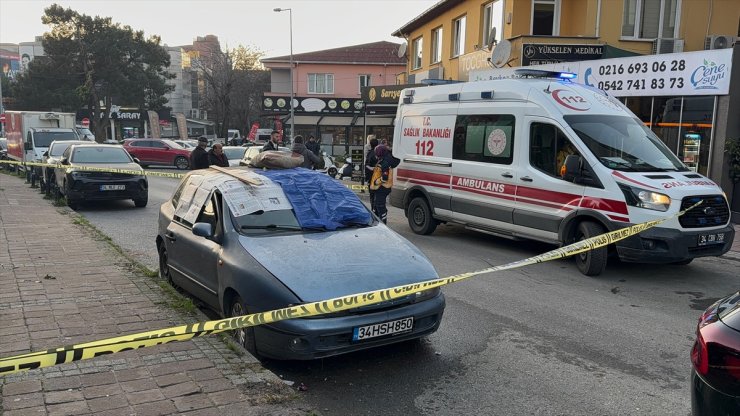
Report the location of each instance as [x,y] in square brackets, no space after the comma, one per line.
[613,52]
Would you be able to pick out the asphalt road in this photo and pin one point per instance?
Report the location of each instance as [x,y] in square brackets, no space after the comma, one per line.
[542,340]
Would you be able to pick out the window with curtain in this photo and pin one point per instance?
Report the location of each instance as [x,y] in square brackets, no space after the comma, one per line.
[417,45]
[458,40]
[321,83]
[493,17]
[649,19]
[436,45]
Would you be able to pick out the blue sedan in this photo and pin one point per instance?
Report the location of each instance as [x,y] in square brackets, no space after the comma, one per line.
[245,240]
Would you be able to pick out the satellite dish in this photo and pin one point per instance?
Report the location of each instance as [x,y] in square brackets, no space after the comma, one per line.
[402,50]
[491,37]
[501,54]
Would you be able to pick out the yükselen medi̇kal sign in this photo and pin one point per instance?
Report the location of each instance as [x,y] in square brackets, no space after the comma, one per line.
[671,74]
[690,73]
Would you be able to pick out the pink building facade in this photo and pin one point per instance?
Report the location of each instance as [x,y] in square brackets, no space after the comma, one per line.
[327,94]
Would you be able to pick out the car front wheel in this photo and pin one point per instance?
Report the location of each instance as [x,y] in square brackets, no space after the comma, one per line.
[592,262]
[243,336]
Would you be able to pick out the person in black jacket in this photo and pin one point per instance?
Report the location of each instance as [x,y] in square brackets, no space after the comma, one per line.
[199,156]
[386,162]
[273,143]
[313,145]
[309,159]
[216,156]
[370,161]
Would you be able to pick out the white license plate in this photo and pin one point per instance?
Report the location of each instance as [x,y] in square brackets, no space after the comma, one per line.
[112,187]
[707,239]
[383,329]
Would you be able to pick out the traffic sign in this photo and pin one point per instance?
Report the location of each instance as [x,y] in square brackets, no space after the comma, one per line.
[85,122]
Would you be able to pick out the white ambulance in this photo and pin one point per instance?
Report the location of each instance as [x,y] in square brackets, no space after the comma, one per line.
[491,155]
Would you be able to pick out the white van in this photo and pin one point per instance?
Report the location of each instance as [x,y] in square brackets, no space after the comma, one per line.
[491,155]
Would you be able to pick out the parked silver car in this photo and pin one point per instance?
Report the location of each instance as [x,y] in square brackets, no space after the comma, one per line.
[296,237]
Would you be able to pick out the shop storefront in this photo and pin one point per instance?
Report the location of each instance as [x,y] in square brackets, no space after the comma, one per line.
[339,124]
[684,98]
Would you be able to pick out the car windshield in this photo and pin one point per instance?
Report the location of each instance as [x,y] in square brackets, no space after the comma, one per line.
[624,143]
[267,222]
[99,155]
[234,153]
[58,148]
[44,138]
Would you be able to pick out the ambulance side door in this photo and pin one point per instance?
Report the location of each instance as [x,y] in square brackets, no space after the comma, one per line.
[484,171]
[543,197]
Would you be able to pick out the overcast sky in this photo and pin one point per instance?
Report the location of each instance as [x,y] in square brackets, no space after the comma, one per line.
[317,24]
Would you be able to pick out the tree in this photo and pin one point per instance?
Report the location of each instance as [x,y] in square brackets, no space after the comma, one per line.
[99,60]
[234,83]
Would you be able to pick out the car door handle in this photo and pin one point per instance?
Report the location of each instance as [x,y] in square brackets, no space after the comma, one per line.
[170,236]
[507,175]
[526,179]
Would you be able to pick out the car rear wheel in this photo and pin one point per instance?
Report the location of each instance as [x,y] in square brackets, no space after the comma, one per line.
[592,262]
[164,266]
[243,336]
[420,217]
[141,203]
[181,162]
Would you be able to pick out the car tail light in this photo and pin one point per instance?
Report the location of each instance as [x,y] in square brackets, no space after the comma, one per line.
[699,355]
[716,354]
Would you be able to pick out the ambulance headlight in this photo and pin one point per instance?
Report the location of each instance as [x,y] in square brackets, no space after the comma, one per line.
[643,198]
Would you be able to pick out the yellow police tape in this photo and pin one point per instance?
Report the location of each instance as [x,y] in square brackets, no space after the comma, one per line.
[94,169]
[93,349]
[126,171]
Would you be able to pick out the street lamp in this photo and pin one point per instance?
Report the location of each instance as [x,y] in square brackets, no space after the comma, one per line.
[292,118]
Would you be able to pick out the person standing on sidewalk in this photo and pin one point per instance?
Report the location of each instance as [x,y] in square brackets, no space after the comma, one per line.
[313,145]
[199,156]
[382,180]
[370,162]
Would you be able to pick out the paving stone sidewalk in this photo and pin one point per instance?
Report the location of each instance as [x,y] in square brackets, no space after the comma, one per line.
[61,285]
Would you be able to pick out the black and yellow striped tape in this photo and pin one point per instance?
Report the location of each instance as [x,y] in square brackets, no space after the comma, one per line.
[93,349]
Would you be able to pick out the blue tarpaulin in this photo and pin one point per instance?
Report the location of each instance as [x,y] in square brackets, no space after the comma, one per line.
[318,200]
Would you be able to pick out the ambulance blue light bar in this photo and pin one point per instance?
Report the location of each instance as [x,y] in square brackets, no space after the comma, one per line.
[539,73]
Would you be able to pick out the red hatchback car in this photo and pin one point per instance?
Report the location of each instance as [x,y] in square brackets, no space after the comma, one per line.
[158,152]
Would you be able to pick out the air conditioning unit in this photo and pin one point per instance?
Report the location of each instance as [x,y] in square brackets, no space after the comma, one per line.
[719,42]
[667,45]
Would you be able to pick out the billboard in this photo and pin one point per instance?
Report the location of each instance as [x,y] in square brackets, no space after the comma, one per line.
[10,63]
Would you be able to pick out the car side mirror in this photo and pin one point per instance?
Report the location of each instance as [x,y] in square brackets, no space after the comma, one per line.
[46,154]
[203,229]
[28,145]
[137,161]
[64,161]
[166,148]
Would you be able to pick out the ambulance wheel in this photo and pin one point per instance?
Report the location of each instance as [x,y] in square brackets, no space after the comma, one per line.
[593,262]
[420,217]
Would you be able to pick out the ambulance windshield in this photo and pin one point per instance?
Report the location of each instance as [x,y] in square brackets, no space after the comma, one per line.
[624,143]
